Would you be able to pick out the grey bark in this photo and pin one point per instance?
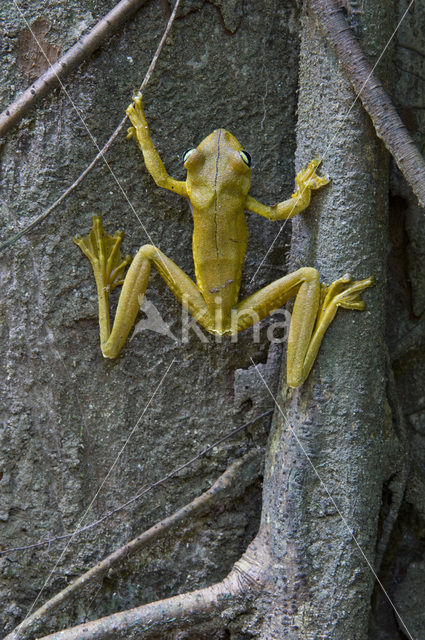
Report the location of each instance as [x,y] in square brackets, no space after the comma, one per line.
[66,412]
[57,71]
[323,511]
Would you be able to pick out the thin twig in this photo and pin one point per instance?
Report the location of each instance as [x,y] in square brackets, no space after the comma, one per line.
[79,52]
[369,89]
[246,577]
[149,488]
[108,144]
[121,555]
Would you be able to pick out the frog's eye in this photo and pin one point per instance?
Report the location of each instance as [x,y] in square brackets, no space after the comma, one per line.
[186,154]
[246,157]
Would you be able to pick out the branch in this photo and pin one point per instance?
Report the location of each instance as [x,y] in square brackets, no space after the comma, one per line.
[371,92]
[247,576]
[203,501]
[72,58]
[80,44]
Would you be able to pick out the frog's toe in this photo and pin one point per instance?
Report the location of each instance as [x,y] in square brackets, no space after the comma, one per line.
[310,169]
[116,276]
[360,285]
[349,297]
[86,245]
[355,304]
[321,181]
[316,182]
[308,178]
[103,251]
[130,111]
[136,114]
[315,162]
[333,289]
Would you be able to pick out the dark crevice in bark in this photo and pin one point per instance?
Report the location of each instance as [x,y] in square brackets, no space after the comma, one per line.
[406,545]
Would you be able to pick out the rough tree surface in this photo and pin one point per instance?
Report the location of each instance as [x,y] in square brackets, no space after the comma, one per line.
[65,412]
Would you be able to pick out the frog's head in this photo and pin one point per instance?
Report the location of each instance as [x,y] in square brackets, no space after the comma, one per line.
[219,162]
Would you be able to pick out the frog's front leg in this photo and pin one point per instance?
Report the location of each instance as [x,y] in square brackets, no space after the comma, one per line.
[307,181]
[153,162]
[103,252]
[314,309]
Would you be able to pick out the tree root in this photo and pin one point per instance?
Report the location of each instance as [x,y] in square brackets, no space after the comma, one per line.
[247,576]
[369,89]
[207,597]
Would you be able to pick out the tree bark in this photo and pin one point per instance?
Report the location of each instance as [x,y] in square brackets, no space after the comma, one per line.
[337,447]
[67,413]
[332,441]
[386,121]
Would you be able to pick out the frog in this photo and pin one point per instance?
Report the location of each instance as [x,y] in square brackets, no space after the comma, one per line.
[218,179]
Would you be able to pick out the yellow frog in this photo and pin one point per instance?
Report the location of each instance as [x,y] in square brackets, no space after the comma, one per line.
[217,185]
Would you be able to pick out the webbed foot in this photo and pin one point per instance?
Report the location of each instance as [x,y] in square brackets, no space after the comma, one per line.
[104,254]
[344,292]
[308,179]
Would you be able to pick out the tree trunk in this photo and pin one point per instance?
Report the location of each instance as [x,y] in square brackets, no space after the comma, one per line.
[82,435]
[333,448]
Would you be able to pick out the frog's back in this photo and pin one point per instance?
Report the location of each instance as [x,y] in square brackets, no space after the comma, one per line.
[219,251]
[218,182]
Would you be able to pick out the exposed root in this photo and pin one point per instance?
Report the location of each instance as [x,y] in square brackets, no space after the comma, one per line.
[199,504]
[369,89]
[246,577]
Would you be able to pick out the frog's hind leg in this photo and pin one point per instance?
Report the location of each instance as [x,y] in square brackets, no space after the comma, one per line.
[134,287]
[314,309]
[103,253]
